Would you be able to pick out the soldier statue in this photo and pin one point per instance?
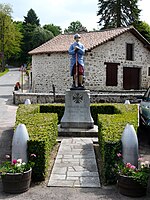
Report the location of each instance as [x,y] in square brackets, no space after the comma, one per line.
[77,51]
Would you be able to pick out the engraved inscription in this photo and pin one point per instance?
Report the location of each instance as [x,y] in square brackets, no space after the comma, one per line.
[77,98]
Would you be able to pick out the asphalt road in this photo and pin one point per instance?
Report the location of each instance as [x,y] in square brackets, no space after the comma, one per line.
[7,110]
[7,83]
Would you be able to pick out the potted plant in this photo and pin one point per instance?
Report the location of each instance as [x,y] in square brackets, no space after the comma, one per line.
[16,175]
[132,180]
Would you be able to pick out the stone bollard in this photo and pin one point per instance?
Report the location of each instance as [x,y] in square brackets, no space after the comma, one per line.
[127,102]
[19,143]
[130,145]
[27,101]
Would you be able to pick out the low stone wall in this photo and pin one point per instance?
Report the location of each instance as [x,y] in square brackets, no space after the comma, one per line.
[101,97]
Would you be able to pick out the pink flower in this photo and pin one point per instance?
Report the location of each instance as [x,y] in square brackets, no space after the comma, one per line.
[33,155]
[128,165]
[140,159]
[14,162]
[132,167]
[119,155]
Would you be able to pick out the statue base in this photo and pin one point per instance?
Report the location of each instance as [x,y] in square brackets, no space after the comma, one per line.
[77,132]
[77,119]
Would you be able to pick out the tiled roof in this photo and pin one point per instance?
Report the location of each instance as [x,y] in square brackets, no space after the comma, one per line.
[61,43]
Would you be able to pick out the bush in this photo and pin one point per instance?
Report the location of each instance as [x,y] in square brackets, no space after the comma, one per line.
[111,127]
[95,110]
[102,109]
[42,129]
[53,108]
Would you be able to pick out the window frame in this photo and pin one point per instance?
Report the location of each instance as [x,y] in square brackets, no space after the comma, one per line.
[130,51]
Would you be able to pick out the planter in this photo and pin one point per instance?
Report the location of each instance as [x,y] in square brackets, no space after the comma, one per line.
[129,187]
[16,182]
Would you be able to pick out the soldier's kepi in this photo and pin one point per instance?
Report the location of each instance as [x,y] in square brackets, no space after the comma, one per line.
[77,51]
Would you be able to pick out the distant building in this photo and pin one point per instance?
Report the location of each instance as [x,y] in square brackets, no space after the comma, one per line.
[115,59]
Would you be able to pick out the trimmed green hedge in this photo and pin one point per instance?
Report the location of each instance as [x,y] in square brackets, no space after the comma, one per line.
[42,129]
[111,127]
[95,110]
[102,109]
[53,108]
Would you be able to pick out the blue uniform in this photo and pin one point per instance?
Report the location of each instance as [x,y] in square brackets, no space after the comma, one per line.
[80,52]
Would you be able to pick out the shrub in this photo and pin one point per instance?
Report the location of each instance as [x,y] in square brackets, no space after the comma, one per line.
[111,127]
[53,108]
[42,129]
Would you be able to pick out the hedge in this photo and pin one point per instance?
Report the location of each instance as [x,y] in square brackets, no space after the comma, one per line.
[42,129]
[53,108]
[41,123]
[111,127]
[95,110]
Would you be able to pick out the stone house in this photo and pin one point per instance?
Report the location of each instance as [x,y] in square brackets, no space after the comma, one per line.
[115,59]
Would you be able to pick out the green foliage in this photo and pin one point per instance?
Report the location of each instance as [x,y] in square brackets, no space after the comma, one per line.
[16,166]
[75,27]
[111,127]
[56,30]
[140,174]
[30,23]
[95,110]
[102,109]
[6,9]
[117,13]
[10,35]
[42,129]
[53,108]
[31,18]
[3,73]
[143,28]
[111,121]
[40,36]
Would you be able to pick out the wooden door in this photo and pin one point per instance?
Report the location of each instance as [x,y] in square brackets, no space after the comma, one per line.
[131,78]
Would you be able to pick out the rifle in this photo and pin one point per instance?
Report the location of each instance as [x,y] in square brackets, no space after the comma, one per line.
[76,75]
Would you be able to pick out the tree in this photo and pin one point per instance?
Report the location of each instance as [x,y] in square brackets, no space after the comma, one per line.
[6,9]
[56,30]
[143,28]
[10,36]
[40,36]
[31,18]
[30,22]
[75,27]
[117,13]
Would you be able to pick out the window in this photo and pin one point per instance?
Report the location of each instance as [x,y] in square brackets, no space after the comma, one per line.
[111,74]
[148,71]
[129,51]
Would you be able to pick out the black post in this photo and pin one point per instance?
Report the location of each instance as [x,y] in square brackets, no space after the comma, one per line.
[53,86]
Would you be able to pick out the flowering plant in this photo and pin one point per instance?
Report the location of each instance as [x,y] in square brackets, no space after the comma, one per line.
[140,174]
[16,166]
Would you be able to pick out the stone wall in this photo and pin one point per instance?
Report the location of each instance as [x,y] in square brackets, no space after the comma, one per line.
[49,69]
[103,97]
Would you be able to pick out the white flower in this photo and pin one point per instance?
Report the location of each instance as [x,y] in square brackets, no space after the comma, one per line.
[19,161]
[147,164]
[23,163]
[18,164]
[7,156]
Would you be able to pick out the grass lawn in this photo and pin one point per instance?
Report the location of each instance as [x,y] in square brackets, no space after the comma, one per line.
[2,73]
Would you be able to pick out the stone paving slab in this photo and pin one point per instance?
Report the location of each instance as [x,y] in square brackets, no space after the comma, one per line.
[75,164]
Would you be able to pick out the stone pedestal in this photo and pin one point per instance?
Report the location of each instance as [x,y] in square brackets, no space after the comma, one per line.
[77,119]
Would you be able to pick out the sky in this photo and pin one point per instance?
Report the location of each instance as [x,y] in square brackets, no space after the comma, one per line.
[63,12]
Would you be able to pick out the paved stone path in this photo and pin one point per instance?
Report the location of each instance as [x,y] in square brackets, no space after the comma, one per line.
[75,164]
